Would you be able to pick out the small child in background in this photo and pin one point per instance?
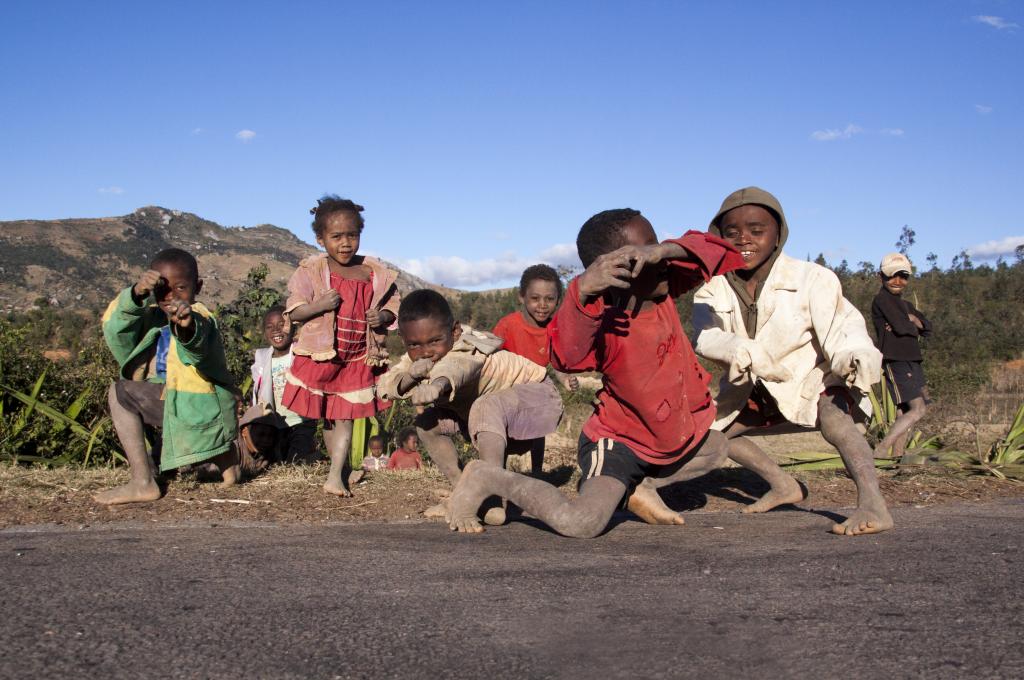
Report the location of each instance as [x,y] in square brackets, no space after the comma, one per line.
[295,435]
[377,458]
[173,377]
[525,332]
[345,303]
[899,327]
[407,457]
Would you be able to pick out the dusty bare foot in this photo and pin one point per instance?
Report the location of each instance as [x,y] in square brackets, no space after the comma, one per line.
[466,499]
[355,477]
[882,450]
[496,516]
[439,511]
[132,492]
[869,518]
[335,487]
[787,491]
[231,476]
[646,503]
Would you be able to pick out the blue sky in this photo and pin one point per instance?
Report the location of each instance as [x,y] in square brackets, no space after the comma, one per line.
[481,135]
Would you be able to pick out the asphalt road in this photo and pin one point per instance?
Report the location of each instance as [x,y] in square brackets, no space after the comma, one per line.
[769,596]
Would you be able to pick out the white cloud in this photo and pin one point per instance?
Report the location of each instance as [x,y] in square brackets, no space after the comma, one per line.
[990,250]
[111,190]
[197,131]
[458,272]
[982,109]
[830,135]
[995,22]
[563,254]
[245,136]
[892,132]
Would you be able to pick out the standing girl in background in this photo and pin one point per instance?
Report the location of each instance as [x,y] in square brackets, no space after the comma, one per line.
[345,303]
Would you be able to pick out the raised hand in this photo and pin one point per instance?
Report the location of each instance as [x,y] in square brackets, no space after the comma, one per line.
[428,393]
[327,302]
[377,318]
[420,369]
[147,283]
[181,314]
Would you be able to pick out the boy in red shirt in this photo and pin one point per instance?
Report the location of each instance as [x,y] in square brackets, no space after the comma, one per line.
[655,410]
[525,332]
[407,457]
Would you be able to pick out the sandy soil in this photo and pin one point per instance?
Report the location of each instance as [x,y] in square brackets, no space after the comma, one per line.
[292,494]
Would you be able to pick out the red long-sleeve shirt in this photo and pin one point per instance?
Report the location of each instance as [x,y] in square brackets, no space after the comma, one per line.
[655,396]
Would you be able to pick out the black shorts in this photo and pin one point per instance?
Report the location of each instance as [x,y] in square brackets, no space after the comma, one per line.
[610,458]
[905,380]
[144,399]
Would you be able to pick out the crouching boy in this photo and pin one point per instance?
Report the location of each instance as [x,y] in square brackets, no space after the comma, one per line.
[499,400]
[173,377]
[654,412]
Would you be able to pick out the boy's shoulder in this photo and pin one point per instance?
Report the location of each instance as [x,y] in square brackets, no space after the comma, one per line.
[472,341]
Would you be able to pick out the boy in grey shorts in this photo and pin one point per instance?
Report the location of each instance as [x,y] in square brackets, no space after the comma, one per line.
[499,400]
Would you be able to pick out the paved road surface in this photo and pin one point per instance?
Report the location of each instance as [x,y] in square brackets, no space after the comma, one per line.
[727,596]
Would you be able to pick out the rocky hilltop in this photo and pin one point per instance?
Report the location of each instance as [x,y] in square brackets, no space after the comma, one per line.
[82,263]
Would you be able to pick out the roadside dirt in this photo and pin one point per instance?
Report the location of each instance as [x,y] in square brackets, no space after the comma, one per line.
[292,494]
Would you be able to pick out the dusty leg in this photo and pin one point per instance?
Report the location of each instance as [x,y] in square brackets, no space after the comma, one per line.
[491,448]
[784,489]
[142,486]
[646,503]
[839,430]
[897,436]
[229,465]
[585,516]
[442,451]
[338,439]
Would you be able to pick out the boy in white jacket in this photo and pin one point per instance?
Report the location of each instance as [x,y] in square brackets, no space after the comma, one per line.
[797,354]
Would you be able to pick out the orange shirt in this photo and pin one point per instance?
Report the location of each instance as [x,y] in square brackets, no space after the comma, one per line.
[523,338]
[405,460]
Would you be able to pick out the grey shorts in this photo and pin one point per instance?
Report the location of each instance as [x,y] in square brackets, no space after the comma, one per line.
[143,399]
[519,413]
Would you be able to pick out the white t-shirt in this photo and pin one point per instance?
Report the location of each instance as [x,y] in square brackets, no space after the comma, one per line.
[278,367]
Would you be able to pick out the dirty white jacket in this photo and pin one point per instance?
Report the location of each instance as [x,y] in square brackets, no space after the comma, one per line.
[808,337]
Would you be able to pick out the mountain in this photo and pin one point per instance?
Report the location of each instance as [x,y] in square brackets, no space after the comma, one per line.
[82,263]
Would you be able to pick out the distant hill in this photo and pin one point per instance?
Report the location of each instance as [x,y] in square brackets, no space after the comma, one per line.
[84,262]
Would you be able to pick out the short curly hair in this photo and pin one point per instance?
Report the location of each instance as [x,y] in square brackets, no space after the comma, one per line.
[603,233]
[540,272]
[329,204]
[425,304]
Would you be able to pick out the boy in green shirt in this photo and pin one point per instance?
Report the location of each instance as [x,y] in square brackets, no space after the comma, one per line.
[173,376]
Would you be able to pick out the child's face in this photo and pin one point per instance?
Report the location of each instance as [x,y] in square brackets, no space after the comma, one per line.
[753,231]
[376,448]
[540,301]
[277,331]
[177,286]
[896,283]
[428,338]
[653,280]
[341,237]
[411,443]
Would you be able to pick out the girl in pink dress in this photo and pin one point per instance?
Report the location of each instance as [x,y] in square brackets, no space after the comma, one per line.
[345,303]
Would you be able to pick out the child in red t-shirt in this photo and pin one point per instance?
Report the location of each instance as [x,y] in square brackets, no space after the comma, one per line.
[525,332]
[407,457]
[655,410]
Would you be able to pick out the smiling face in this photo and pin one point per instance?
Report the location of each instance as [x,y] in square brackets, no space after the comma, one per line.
[653,280]
[277,331]
[896,283]
[540,301]
[340,237]
[753,231]
[428,338]
[177,286]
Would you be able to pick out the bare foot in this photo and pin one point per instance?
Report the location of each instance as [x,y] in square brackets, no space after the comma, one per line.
[335,487]
[495,517]
[355,477]
[132,492]
[870,518]
[466,500]
[439,511]
[787,491]
[231,476]
[646,503]
[882,450]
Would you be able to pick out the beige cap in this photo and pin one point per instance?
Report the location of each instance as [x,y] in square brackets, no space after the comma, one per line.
[896,262]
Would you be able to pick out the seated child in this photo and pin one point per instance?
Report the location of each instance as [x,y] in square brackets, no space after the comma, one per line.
[173,377]
[377,459]
[899,325]
[654,412]
[498,399]
[296,436]
[408,456]
[525,331]
[797,355]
